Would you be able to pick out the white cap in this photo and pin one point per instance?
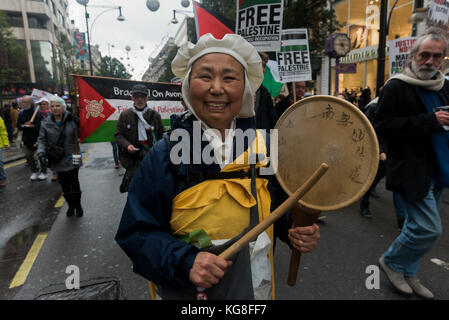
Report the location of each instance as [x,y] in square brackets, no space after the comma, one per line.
[42,100]
[231,44]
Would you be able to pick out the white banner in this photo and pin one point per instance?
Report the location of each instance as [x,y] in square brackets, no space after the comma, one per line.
[399,53]
[37,94]
[439,11]
[294,57]
[260,23]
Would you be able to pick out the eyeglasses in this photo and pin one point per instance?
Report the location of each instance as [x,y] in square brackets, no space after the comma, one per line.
[426,55]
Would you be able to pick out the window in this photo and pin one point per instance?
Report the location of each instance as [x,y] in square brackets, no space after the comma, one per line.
[36,22]
[42,52]
[61,18]
[52,5]
[14,19]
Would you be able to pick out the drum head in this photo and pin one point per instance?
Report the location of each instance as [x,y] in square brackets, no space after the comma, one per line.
[326,129]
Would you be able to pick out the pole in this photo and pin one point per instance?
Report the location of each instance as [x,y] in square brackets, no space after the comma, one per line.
[382,44]
[88,39]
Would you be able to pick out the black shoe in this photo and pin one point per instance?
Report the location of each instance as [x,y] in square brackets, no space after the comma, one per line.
[374,194]
[79,212]
[364,211]
[70,212]
[69,199]
[77,203]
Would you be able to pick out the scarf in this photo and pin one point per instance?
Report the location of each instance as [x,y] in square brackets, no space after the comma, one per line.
[142,125]
[409,77]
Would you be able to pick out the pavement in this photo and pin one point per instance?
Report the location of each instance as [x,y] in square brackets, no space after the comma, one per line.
[14,153]
[337,269]
[88,242]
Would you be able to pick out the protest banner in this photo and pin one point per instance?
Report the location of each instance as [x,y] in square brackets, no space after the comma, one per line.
[294,57]
[399,53]
[37,94]
[260,23]
[101,100]
[439,12]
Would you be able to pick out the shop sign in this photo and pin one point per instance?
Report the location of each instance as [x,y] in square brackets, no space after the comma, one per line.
[294,57]
[347,68]
[439,11]
[400,53]
[359,55]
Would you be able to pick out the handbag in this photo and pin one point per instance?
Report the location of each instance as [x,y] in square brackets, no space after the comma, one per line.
[56,152]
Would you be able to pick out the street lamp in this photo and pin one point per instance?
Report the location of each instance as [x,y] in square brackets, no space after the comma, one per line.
[84,3]
[174,20]
[383,33]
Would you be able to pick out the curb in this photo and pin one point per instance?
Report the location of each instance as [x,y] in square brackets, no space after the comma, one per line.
[14,158]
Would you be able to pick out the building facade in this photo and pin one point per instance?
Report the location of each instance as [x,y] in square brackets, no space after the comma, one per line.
[360,21]
[36,25]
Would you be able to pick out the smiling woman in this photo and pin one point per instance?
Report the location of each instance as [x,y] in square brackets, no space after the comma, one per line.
[195,209]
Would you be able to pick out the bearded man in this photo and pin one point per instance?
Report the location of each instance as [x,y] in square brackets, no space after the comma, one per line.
[417,166]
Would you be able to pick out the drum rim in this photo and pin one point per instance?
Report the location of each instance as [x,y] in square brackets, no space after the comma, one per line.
[372,174]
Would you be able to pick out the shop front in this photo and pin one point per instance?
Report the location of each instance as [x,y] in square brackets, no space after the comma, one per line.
[360,20]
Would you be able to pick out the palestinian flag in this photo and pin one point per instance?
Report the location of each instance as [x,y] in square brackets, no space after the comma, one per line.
[206,22]
[101,100]
[271,79]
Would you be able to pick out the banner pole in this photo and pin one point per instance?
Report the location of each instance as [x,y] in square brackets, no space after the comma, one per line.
[76,113]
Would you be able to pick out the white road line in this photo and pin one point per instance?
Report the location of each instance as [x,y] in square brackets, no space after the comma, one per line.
[440,263]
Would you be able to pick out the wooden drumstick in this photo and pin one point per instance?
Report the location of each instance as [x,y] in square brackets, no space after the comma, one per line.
[276,214]
[302,217]
[34,114]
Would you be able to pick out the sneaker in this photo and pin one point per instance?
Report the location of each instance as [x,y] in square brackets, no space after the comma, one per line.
[34,176]
[2,184]
[396,279]
[374,194]
[42,176]
[419,289]
[364,211]
[117,165]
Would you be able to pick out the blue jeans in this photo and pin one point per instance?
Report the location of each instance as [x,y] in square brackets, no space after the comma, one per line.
[115,151]
[2,171]
[399,206]
[422,229]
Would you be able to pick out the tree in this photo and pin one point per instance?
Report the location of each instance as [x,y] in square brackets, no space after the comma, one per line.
[12,56]
[313,15]
[66,54]
[168,74]
[111,67]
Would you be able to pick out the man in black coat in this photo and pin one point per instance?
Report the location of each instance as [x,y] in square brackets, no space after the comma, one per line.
[266,116]
[417,165]
[30,132]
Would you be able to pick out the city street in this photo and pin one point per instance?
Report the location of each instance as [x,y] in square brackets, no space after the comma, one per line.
[337,269]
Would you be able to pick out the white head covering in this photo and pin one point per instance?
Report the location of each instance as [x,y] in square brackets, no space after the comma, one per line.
[231,44]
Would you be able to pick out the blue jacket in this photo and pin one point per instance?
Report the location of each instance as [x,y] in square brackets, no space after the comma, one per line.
[144,230]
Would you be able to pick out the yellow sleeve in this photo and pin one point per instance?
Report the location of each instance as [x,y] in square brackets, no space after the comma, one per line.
[3,134]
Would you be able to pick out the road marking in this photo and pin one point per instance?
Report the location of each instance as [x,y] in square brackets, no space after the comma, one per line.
[440,263]
[14,164]
[60,202]
[22,274]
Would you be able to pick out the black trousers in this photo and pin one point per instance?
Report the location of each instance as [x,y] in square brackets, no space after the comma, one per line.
[69,181]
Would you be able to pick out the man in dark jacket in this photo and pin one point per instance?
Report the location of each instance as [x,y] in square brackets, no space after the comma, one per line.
[418,156]
[285,103]
[30,132]
[138,129]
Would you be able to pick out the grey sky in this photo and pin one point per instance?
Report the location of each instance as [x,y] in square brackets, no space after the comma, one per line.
[141,27]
